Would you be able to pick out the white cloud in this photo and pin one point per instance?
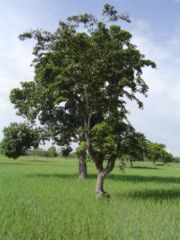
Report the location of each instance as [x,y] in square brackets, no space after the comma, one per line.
[15,59]
[161,115]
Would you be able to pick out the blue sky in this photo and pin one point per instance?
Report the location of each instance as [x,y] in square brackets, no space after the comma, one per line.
[156,31]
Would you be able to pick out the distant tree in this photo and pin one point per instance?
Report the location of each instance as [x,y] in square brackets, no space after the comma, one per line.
[39,152]
[155,151]
[135,146]
[1,151]
[158,152]
[176,159]
[52,151]
[84,73]
[18,138]
[65,151]
[167,157]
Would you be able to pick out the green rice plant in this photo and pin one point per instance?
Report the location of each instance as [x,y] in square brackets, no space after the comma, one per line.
[43,198]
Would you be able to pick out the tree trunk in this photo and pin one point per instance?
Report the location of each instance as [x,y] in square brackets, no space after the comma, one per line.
[100,185]
[102,173]
[82,164]
[131,162]
[98,158]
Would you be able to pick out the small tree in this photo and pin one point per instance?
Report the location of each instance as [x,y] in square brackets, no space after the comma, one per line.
[155,151]
[167,157]
[158,152]
[176,159]
[18,138]
[52,151]
[65,151]
[135,146]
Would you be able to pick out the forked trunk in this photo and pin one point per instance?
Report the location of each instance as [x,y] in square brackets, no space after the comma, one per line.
[82,164]
[102,173]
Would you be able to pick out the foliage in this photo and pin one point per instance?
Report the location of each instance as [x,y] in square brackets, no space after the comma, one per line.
[134,147]
[84,71]
[52,151]
[73,154]
[65,151]
[39,152]
[1,150]
[158,152]
[176,159]
[18,137]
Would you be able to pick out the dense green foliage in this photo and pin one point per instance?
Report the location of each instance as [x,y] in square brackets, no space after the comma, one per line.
[52,151]
[176,159]
[44,200]
[158,152]
[18,138]
[138,148]
[65,151]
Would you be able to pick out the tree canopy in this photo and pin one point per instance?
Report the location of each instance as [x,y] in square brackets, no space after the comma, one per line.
[157,152]
[135,146]
[18,138]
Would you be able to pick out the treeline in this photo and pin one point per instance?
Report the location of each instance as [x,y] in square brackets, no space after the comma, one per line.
[148,151]
[50,152]
[20,139]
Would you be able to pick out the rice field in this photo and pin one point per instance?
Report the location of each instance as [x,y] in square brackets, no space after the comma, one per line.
[42,198]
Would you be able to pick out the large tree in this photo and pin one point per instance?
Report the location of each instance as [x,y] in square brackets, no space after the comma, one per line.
[84,73]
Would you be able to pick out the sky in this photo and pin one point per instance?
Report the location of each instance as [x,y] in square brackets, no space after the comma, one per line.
[156,32]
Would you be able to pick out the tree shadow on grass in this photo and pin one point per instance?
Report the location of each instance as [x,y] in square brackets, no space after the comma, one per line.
[113,177]
[73,176]
[16,163]
[143,167]
[143,178]
[153,194]
[34,163]
[24,163]
[54,175]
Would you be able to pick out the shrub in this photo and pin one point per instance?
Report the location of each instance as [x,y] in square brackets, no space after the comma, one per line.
[52,152]
[65,151]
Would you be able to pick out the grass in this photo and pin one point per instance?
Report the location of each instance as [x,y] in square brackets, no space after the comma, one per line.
[42,198]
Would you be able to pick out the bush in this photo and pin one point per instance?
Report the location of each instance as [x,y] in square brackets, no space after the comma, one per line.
[65,151]
[52,152]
